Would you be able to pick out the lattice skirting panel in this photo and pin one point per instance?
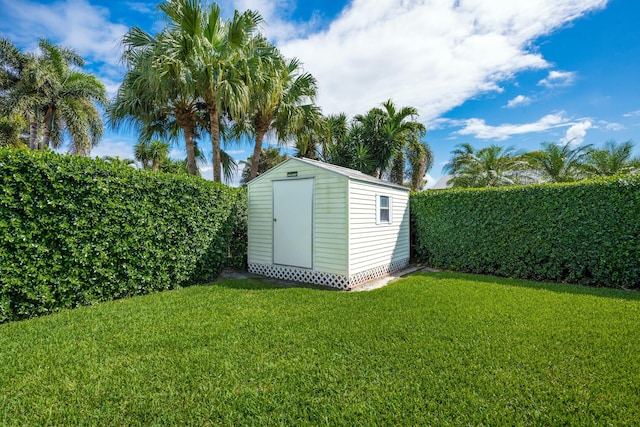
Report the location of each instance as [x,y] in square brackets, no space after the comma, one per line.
[374,273]
[327,279]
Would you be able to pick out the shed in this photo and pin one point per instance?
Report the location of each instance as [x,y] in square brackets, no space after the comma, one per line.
[319,223]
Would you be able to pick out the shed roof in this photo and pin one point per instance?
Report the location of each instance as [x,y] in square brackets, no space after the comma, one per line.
[349,173]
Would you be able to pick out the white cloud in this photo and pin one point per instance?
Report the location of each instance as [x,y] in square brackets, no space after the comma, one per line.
[431,54]
[558,79]
[610,126]
[276,13]
[73,23]
[632,114]
[576,133]
[519,100]
[479,129]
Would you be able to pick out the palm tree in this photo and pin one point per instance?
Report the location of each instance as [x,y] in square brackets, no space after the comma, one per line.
[269,158]
[336,134]
[386,132]
[281,100]
[18,87]
[157,96]
[51,95]
[613,159]
[151,153]
[420,157]
[70,100]
[555,163]
[491,166]
[342,144]
[218,56]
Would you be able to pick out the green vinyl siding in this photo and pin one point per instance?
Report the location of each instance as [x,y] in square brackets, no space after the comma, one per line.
[372,245]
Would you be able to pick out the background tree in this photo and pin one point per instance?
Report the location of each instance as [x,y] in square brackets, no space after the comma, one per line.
[420,157]
[281,101]
[18,89]
[559,163]
[11,131]
[151,154]
[269,158]
[158,96]
[492,166]
[336,133]
[219,57]
[50,93]
[387,132]
[613,159]
[70,100]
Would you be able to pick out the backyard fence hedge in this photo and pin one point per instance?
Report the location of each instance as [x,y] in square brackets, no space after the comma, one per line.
[75,231]
[586,232]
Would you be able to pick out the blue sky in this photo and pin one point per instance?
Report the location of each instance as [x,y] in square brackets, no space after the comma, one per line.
[514,73]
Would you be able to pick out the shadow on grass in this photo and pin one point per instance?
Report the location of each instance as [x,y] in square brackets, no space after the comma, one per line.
[566,288]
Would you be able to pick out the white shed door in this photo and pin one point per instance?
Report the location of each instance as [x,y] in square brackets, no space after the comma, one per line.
[293,222]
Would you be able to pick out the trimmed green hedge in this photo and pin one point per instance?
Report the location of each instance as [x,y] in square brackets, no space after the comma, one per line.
[74,231]
[586,232]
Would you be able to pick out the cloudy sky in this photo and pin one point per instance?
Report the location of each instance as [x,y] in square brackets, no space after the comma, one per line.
[514,73]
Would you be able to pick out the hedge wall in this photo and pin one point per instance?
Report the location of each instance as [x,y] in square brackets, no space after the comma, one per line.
[74,231]
[585,232]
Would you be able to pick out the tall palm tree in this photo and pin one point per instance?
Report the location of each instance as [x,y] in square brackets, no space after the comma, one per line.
[559,163]
[219,56]
[158,96]
[613,159]
[491,166]
[281,101]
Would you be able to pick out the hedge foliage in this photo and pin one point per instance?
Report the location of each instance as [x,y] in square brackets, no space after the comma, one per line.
[586,232]
[75,231]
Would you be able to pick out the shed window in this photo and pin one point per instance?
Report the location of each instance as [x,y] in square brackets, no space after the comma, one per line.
[383,209]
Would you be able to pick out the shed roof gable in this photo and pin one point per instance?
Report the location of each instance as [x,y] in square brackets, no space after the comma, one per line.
[346,172]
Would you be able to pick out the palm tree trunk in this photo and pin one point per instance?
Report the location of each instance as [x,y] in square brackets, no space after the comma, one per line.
[187,123]
[48,123]
[418,169]
[46,137]
[214,123]
[257,151]
[191,152]
[397,169]
[33,134]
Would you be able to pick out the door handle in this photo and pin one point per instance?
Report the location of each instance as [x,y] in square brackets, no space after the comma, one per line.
[275,220]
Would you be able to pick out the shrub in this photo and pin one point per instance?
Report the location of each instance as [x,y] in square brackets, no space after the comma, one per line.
[75,231]
[586,232]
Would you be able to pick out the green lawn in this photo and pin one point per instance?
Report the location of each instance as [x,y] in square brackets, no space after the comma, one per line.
[436,349]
